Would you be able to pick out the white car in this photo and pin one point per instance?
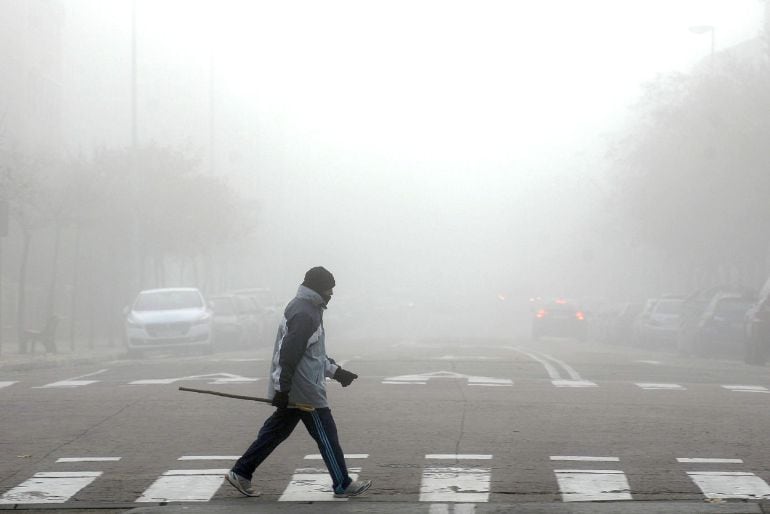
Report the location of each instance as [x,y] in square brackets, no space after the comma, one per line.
[168,318]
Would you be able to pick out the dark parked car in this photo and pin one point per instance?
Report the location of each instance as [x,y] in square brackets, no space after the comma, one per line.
[693,309]
[757,329]
[559,318]
[720,329]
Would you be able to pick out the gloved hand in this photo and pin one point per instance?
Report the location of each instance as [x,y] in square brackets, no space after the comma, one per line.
[281,399]
[344,377]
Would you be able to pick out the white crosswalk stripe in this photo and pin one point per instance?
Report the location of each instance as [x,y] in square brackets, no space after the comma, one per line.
[466,484]
[7,383]
[730,485]
[585,485]
[184,485]
[49,487]
[315,484]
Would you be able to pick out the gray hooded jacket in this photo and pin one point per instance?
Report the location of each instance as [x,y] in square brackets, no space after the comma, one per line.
[300,364]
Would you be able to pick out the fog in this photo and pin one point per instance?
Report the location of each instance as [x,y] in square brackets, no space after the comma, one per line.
[445,160]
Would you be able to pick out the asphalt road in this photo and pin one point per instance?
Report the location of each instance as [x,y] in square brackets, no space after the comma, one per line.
[439,426]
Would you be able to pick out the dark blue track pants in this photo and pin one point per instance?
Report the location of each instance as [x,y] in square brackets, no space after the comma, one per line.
[279,426]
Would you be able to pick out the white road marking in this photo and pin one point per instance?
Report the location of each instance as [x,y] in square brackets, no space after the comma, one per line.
[701,460]
[317,456]
[458,456]
[75,381]
[455,484]
[394,382]
[552,372]
[653,386]
[215,378]
[466,358]
[88,459]
[238,360]
[584,458]
[6,384]
[573,383]
[50,487]
[746,388]
[184,485]
[313,484]
[209,457]
[730,484]
[585,485]
[423,378]
[575,380]
[655,363]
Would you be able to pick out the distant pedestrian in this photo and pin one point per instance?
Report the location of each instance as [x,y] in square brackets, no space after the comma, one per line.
[298,379]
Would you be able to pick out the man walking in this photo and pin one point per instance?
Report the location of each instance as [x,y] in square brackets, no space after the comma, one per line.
[298,378]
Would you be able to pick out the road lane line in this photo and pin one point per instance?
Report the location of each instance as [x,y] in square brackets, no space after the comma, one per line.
[75,381]
[552,372]
[730,484]
[746,388]
[88,459]
[574,375]
[50,487]
[184,485]
[313,484]
[575,380]
[317,456]
[584,458]
[573,383]
[458,456]
[650,386]
[6,384]
[585,485]
[702,460]
[209,457]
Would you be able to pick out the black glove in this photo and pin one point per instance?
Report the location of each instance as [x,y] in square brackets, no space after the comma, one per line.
[281,399]
[344,377]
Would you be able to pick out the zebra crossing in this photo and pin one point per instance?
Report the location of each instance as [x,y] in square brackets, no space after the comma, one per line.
[445,478]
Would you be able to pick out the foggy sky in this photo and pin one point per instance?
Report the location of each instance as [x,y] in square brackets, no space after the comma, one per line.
[441,148]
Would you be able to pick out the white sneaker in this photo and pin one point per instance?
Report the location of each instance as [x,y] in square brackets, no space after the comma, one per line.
[355,488]
[242,484]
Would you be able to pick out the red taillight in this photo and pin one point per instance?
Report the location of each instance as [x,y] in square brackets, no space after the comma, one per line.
[579,315]
[541,313]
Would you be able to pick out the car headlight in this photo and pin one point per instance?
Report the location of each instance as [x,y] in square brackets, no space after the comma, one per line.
[131,322]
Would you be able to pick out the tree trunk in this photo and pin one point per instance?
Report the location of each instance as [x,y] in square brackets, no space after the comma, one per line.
[75,286]
[22,293]
[51,300]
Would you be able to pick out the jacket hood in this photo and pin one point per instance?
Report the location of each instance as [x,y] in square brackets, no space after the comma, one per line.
[305,293]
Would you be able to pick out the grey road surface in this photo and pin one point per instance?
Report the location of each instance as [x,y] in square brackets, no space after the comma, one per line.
[438,425]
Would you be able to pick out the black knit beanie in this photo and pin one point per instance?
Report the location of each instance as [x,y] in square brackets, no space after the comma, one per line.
[319,279]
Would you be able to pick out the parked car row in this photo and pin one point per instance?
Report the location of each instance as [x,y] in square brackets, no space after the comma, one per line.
[725,320]
[176,318]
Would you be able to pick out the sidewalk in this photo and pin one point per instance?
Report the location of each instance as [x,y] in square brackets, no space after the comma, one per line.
[11,360]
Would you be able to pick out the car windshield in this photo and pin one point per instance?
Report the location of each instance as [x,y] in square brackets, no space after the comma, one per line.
[168,300]
[222,305]
[668,307]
